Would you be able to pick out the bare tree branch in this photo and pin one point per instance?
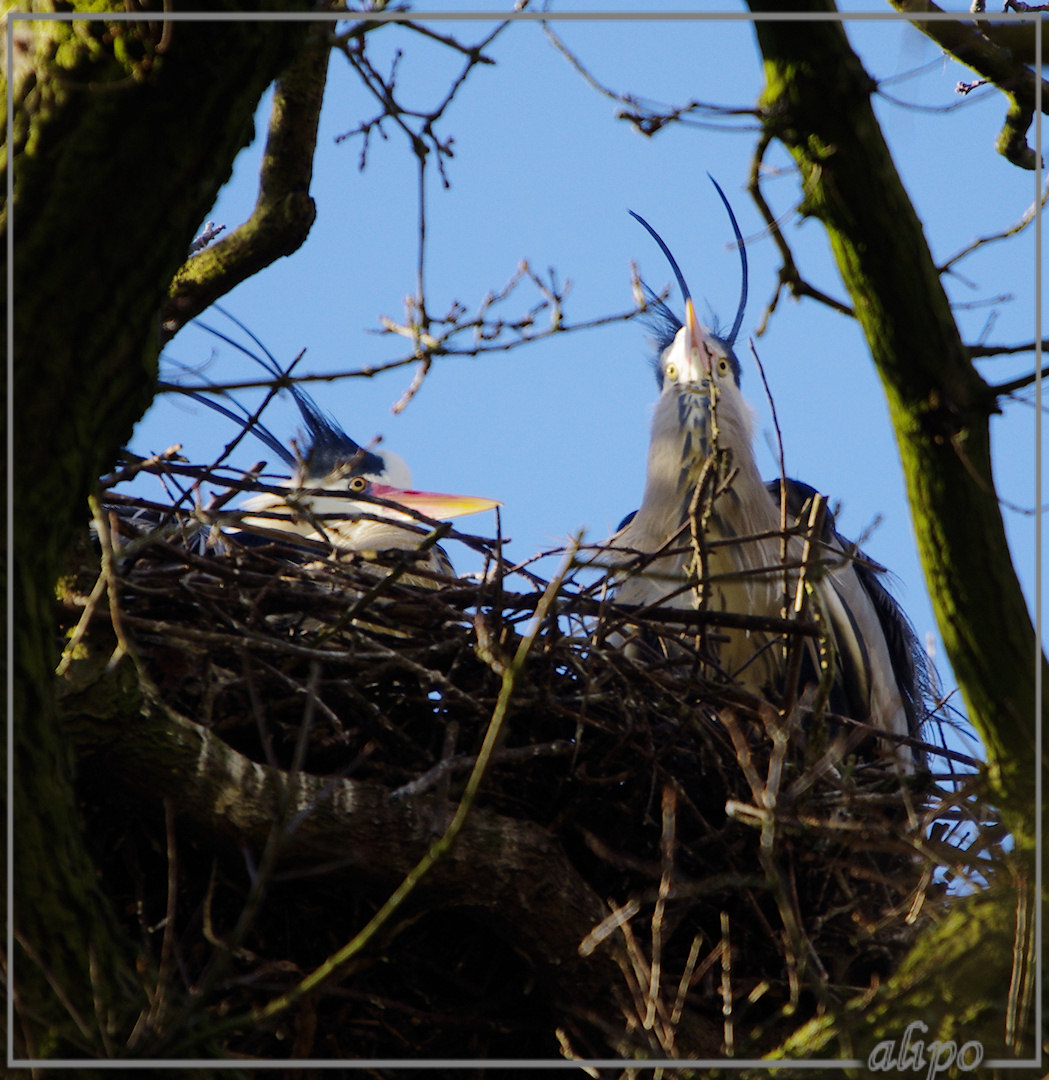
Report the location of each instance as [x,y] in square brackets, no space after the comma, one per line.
[966,42]
[284,211]
[648,117]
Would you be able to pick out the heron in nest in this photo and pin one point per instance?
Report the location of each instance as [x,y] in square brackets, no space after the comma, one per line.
[708,536]
[340,495]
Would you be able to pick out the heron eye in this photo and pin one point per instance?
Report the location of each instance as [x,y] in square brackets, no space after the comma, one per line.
[722,366]
[671,371]
[357,484]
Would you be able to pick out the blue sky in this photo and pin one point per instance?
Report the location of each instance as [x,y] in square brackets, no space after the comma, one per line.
[544,171]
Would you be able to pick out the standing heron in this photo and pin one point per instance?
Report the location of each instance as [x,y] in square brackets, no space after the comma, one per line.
[708,535]
[340,494]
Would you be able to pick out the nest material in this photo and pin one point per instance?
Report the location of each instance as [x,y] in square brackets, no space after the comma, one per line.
[756,868]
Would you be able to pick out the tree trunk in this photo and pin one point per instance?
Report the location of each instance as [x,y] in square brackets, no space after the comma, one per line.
[939,404]
[123,134]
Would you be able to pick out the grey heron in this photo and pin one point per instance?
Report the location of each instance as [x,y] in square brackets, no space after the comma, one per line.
[339,494]
[708,535]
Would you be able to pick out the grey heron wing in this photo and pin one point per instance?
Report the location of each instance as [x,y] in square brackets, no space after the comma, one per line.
[798,494]
[910,668]
[909,664]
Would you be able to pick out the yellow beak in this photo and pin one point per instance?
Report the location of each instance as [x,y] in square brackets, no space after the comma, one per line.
[432,504]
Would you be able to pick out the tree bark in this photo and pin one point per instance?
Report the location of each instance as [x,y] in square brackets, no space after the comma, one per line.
[999,52]
[123,134]
[284,211]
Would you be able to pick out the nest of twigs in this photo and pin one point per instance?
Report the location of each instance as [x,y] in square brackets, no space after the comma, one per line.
[747,869]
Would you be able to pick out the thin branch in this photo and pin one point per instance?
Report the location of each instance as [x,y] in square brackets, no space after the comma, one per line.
[1026,219]
[1021,383]
[1007,350]
[284,211]
[966,42]
[489,335]
[647,116]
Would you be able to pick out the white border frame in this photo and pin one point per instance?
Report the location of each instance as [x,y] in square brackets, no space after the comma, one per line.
[12,18]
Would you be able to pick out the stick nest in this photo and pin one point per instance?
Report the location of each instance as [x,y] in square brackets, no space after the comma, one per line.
[754,869]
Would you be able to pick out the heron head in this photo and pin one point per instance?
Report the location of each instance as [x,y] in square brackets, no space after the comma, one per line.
[698,375]
[378,497]
[343,481]
[696,359]
[334,482]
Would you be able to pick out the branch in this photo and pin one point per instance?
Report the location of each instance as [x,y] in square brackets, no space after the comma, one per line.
[789,275]
[529,886]
[649,117]
[1028,216]
[969,45]
[284,211]
[1007,350]
[459,333]
[1020,383]
[419,126]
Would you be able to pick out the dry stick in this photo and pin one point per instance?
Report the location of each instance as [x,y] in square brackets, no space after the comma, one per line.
[783,539]
[693,974]
[813,529]
[669,843]
[158,1006]
[620,917]
[438,849]
[636,973]
[108,577]
[91,604]
[726,985]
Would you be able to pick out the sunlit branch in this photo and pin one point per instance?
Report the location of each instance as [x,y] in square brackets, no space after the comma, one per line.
[967,44]
[789,275]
